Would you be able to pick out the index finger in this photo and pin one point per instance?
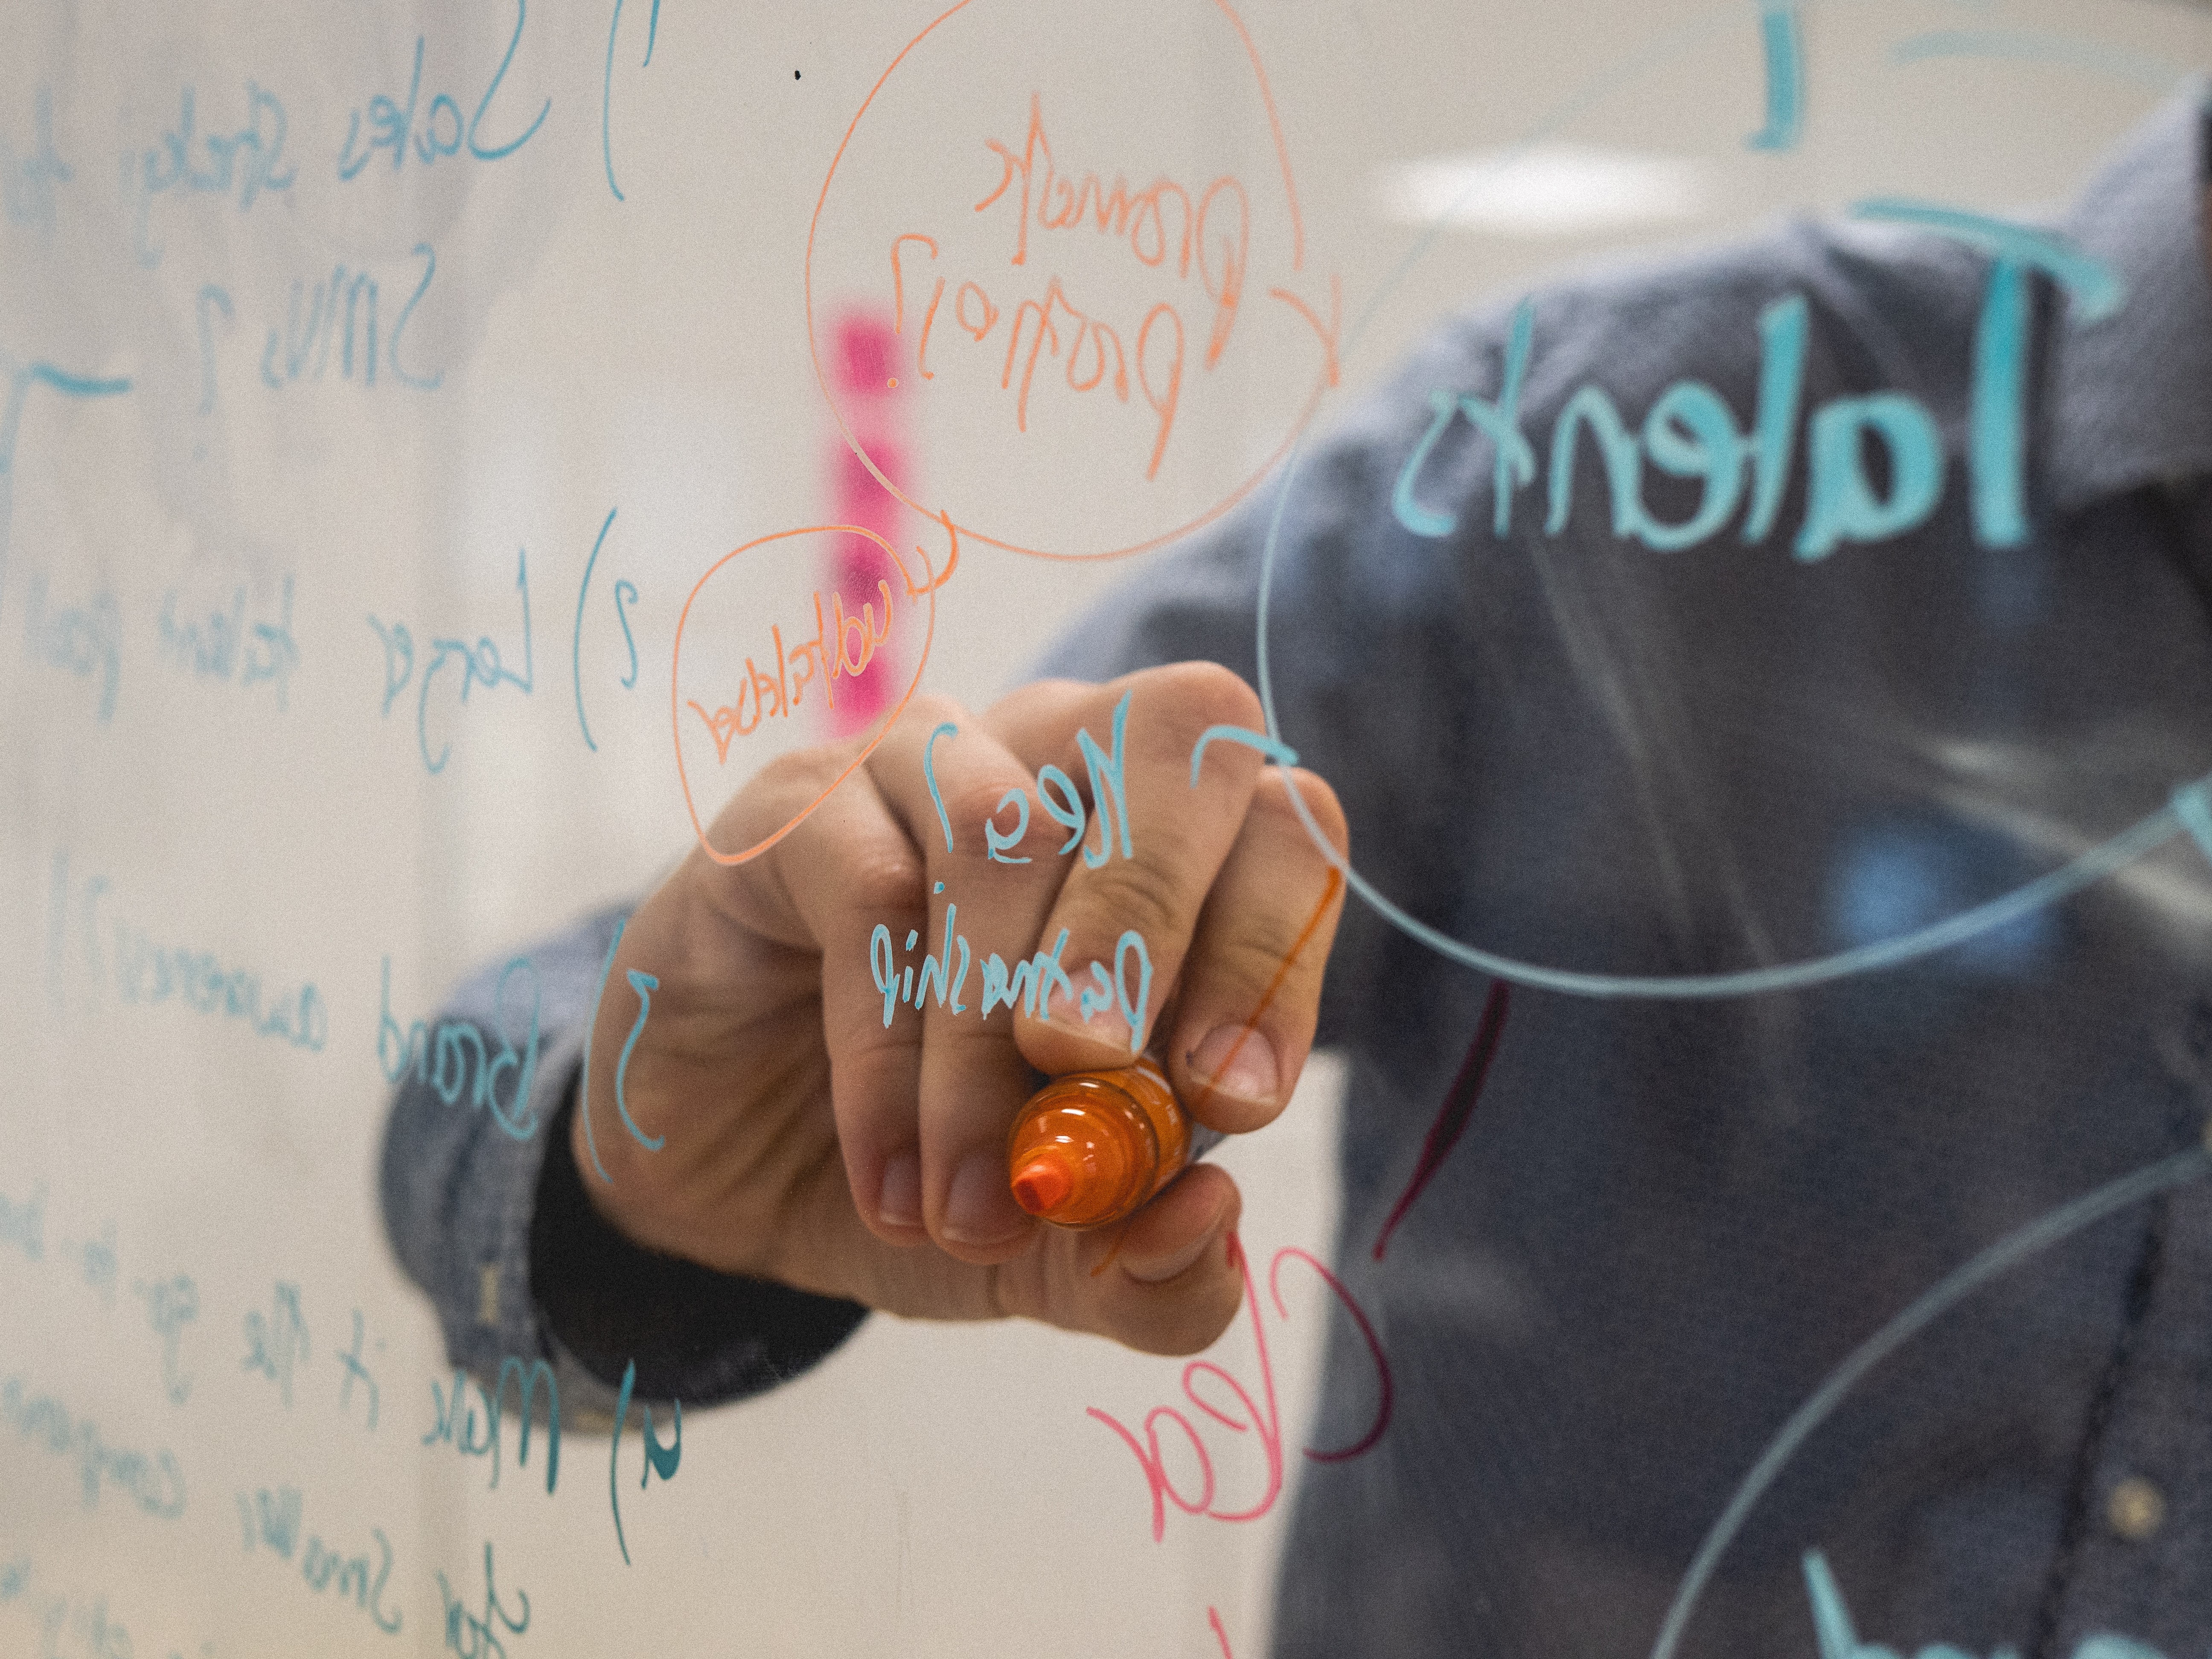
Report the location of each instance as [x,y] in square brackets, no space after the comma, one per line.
[1149,839]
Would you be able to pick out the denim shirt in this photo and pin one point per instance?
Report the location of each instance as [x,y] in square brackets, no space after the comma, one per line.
[1628,773]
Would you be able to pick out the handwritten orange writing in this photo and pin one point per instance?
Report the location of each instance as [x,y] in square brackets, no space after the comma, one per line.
[1263,1416]
[1063,203]
[844,648]
[1041,320]
[1159,223]
[1130,277]
[925,591]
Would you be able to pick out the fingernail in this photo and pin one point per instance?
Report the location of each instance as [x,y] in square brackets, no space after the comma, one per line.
[1157,1270]
[981,1208]
[1105,1026]
[1239,1061]
[899,1200]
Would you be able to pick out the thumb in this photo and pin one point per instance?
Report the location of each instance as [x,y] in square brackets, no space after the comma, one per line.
[1167,1282]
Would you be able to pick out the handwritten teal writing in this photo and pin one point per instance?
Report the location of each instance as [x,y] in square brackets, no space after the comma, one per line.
[21,378]
[476,1636]
[301,348]
[660,1460]
[455,1057]
[356,1370]
[1032,981]
[274,1521]
[1781,43]
[276,1342]
[1056,793]
[27,180]
[394,127]
[471,1426]
[224,649]
[480,664]
[147,973]
[23,1222]
[85,640]
[185,162]
[1691,433]
[271,1519]
[171,1304]
[1832,1623]
[155,1484]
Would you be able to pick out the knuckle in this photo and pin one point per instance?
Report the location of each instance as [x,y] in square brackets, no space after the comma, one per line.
[927,710]
[972,800]
[882,878]
[1197,694]
[1029,713]
[1143,892]
[1249,960]
[1178,1320]
[1210,689]
[1049,692]
[798,775]
[1314,790]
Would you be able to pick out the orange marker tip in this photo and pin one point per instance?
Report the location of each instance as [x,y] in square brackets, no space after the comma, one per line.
[1042,1186]
[892,383]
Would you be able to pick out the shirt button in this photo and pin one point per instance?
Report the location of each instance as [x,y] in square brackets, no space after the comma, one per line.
[2136,1510]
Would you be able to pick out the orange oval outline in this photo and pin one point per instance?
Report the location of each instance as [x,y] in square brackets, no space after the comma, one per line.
[675,668]
[1321,380]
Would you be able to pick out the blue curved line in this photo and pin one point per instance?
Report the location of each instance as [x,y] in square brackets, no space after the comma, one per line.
[2082,872]
[2194,810]
[20,381]
[69,386]
[645,985]
[606,99]
[1273,748]
[584,1083]
[576,647]
[77,386]
[1954,1287]
[2022,45]
[1585,98]
[929,775]
[2106,859]
[624,585]
[2095,287]
[607,86]
[621,1417]
[1782,44]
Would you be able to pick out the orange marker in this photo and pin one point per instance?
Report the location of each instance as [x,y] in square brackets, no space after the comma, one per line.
[1092,1147]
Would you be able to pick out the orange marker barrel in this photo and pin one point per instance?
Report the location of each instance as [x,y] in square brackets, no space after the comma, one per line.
[1092,1146]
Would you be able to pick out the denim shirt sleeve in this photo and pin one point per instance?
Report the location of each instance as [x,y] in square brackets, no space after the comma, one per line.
[487,1211]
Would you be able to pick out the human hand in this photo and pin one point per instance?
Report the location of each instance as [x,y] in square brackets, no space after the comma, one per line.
[808,1141]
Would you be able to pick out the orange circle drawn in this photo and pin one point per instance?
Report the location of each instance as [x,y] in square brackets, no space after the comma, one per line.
[676,670]
[1322,381]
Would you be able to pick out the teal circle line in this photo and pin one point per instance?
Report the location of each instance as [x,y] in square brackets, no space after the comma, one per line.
[1961,1282]
[2083,870]
[2104,859]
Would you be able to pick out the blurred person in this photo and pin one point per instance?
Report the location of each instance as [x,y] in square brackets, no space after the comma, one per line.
[1779,654]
